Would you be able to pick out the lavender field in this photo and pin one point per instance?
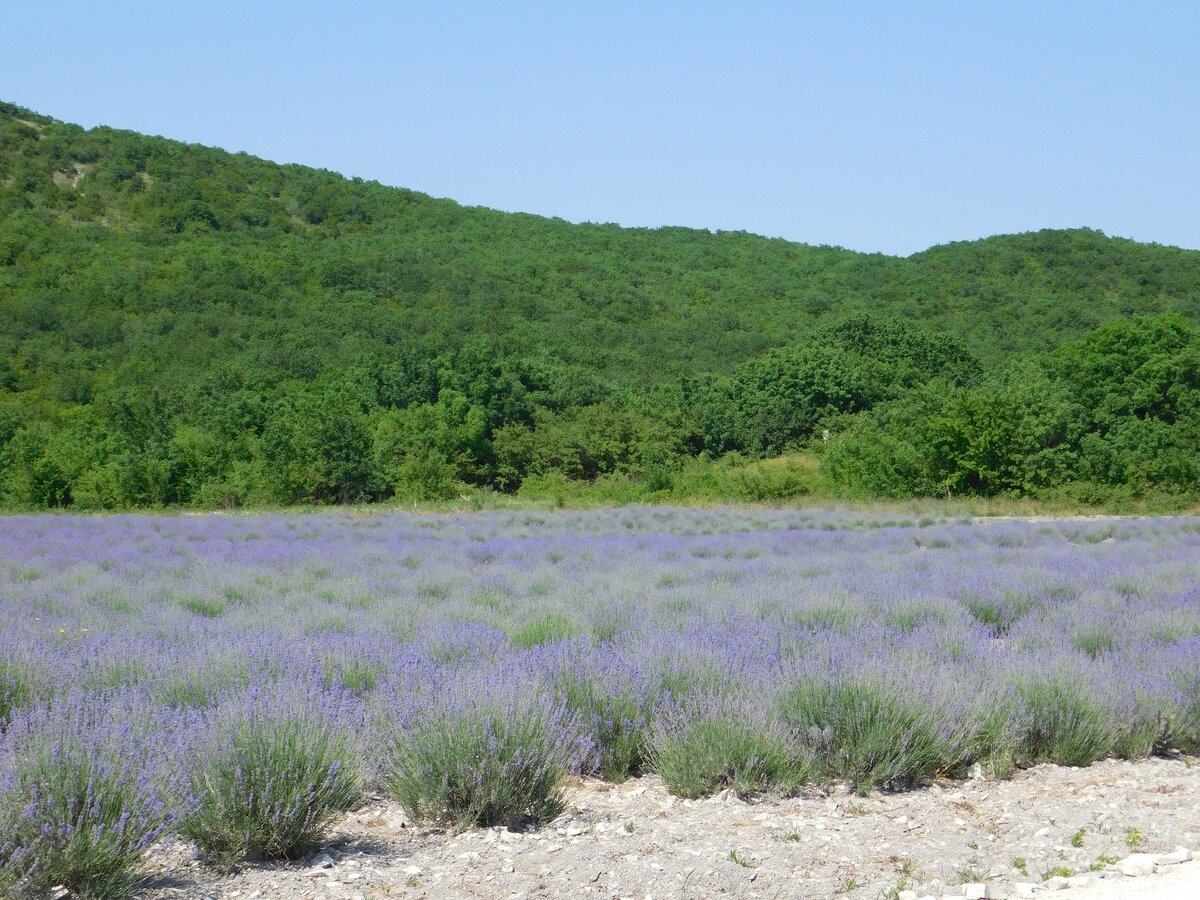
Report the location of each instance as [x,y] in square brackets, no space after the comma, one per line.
[239,681]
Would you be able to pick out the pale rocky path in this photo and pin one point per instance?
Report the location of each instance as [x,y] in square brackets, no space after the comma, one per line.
[635,840]
[1182,884]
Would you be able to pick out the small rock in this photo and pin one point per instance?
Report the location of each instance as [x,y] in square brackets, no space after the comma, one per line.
[1136,865]
[729,795]
[907,895]
[1174,858]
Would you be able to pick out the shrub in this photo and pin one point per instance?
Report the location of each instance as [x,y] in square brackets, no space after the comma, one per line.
[1064,727]
[271,789]
[543,630]
[425,476]
[860,732]
[1095,641]
[712,742]
[706,756]
[16,689]
[205,607]
[482,760]
[616,722]
[993,740]
[80,806]
[998,616]
[357,676]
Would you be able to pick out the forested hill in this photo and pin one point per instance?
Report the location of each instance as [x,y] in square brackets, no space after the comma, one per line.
[179,324]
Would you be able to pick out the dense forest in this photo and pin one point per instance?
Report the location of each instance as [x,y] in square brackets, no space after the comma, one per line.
[182,325]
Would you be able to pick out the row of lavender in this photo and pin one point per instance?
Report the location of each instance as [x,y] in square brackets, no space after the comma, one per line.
[239,680]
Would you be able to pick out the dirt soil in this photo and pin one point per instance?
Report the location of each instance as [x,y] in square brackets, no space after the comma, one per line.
[635,840]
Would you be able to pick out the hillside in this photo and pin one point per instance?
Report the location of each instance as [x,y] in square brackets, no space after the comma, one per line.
[179,324]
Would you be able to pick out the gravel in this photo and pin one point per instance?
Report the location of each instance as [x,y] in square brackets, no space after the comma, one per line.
[635,840]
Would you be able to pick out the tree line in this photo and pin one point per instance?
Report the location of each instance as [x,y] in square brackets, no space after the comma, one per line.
[184,326]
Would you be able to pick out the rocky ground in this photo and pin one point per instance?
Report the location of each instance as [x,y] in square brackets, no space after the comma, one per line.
[1059,829]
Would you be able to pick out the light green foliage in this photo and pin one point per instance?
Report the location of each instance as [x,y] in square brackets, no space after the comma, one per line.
[542,630]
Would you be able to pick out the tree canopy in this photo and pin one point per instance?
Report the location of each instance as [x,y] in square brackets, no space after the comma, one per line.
[183,325]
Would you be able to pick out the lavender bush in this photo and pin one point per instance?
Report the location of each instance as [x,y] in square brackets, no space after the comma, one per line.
[84,796]
[271,782]
[480,656]
[479,755]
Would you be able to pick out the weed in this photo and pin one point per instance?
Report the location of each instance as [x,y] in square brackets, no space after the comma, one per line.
[736,857]
[972,873]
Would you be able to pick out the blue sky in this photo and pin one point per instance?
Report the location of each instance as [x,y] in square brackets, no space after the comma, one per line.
[876,126]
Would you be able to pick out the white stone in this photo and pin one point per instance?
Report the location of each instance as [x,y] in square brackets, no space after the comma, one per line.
[1174,858]
[907,895]
[1136,865]
[995,892]
[974,891]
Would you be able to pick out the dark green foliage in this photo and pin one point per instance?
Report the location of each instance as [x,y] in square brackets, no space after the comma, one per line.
[184,326]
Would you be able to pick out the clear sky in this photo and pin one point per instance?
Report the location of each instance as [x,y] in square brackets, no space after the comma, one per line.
[886,126]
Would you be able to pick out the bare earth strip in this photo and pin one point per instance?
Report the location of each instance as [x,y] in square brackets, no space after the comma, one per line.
[635,840]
